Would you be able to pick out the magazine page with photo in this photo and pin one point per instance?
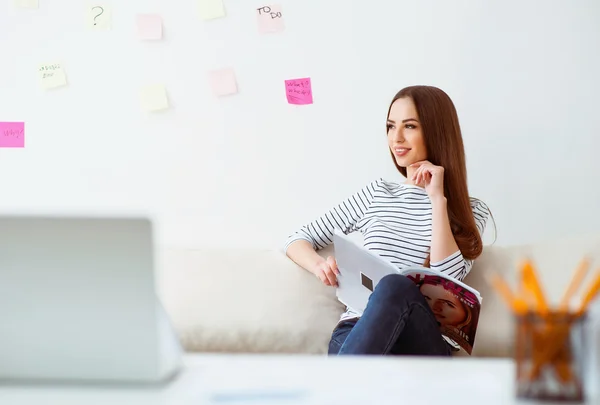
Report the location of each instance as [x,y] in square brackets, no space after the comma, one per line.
[455,305]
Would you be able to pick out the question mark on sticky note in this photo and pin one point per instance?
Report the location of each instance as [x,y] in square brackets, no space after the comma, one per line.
[96,16]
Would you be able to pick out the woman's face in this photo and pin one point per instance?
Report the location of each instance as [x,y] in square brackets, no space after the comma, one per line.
[405,137]
[447,309]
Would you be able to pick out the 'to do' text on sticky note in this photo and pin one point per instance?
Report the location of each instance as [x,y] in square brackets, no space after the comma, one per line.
[270,19]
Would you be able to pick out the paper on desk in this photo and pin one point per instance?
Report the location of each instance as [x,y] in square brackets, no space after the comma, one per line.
[154,97]
[12,134]
[52,75]
[210,9]
[149,26]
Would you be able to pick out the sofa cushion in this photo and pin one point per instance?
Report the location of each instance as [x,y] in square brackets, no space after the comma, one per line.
[233,300]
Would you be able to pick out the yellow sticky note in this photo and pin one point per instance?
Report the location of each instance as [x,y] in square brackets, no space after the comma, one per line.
[154,97]
[27,3]
[210,9]
[52,75]
[99,17]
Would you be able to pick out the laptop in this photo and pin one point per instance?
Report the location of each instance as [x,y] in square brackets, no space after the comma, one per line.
[360,272]
[78,302]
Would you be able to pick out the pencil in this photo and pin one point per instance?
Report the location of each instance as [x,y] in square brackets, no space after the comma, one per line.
[591,293]
[578,277]
[503,289]
[533,285]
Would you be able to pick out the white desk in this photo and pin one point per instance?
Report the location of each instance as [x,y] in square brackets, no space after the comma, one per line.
[217,379]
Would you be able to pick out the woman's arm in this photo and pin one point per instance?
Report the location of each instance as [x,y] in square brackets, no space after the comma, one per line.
[304,255]
[454,264]
[445,256]
[301,247]
[443,244]
[345,217]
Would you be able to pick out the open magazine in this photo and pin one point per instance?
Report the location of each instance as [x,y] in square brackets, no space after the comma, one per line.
[456,306]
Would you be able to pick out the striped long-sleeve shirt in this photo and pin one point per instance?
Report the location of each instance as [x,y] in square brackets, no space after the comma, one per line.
[395,220]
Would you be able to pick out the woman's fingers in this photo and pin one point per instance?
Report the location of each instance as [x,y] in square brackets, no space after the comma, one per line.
[333,264]
[321,276]
[331,277]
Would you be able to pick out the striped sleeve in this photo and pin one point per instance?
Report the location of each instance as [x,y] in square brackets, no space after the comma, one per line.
[456,265]
[344,217]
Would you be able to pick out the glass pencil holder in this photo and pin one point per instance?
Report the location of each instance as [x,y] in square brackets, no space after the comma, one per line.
[550,356]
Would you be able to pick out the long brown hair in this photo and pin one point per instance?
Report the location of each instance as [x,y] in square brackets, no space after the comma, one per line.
[444,144]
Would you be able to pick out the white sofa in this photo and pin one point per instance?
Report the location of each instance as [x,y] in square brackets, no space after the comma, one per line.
[227,300]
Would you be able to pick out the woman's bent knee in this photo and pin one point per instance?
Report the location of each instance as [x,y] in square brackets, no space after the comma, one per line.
[396,286]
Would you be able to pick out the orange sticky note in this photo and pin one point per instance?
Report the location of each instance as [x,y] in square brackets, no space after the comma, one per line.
[270,19]
[149,26]
[223,82]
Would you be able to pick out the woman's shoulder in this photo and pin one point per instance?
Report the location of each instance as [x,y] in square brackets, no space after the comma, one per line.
[479,206]
[481,212]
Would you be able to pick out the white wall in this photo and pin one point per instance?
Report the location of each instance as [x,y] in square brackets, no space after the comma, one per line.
[246,170]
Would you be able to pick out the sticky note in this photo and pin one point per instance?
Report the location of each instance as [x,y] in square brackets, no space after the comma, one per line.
[99,17]
[154,97]
[270,19]
[12,134]
[52,75]
[27,3]
[149,26]
[210,9]
[223,82]
[299,91]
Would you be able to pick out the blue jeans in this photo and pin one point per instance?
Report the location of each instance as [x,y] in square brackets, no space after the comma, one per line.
[397,321]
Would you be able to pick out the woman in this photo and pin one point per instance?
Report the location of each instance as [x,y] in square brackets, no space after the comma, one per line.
[429,220]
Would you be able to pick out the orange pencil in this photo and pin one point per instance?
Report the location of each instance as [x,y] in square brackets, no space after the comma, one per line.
[532,284]
[503,289]
[578,277]
[590,294]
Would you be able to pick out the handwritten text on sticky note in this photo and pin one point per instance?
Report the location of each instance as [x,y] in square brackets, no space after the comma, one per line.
[52,75]
[222,82]
[210,9]
[270,19]
[299,91]
[154,98]
[12,134]
[99,17]
[149,26]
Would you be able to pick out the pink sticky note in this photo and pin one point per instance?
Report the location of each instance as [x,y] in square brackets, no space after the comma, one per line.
[270,19]
[12,134]
[149,26]
[299,91]
[223,82]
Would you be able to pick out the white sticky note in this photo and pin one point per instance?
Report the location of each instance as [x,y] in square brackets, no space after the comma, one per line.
[154,97]
[27,3]
[210,9]
[149,26]
[222,82]
[99,17]
[52,75]
[270,19]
